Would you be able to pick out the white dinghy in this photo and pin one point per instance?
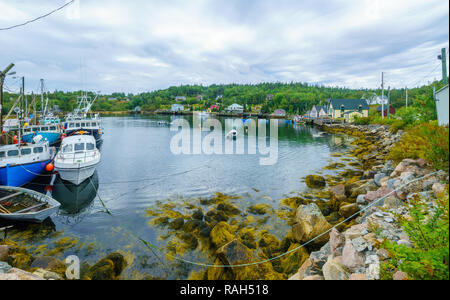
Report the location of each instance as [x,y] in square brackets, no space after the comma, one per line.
[77,158]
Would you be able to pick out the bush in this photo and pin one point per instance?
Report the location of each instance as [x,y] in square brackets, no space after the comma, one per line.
[428,141]
[428,231]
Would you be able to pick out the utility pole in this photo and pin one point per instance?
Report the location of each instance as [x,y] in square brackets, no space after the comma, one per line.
[406,96]
[382,95]
[388,101]
[2,80]
[443,58]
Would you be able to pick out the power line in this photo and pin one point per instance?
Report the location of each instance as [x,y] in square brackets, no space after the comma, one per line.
[38,18]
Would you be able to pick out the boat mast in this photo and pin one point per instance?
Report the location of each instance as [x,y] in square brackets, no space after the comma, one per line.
[42,95]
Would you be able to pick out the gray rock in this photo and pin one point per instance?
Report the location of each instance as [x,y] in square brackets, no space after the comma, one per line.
[372,259]
[359,244]
[389,220]
[378,177]
[361,200]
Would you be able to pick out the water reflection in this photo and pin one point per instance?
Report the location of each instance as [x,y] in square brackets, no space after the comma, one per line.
[75,199]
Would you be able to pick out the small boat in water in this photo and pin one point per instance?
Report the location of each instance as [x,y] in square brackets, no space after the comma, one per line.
[77,158]
[232,134]
[24,205]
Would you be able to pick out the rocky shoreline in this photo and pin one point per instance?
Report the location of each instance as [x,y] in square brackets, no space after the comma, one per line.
[353,252]
[341,243]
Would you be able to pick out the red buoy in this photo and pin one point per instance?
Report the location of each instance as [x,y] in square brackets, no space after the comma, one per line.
[15,140]
[49,167]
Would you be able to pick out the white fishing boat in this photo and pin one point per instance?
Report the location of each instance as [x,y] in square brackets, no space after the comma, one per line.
[77,158]
[24,205]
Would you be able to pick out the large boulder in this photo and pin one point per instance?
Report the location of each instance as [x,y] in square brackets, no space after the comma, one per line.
[108,268]
[351,258]
[310,223]
[337,195]
[315,181]
[336,240]
[18,274]
[333,269]
[348,210]
[374,195]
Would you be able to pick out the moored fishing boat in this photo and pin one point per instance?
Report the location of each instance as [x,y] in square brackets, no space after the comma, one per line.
[77,158]
[50,133]
[24,205]
[81,120]
[21,163]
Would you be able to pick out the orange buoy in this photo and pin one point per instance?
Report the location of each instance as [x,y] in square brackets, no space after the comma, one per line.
[49,167]
[15,139]
[63,136]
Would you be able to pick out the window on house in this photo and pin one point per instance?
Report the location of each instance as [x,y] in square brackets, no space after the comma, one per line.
[342,109]
[360,109]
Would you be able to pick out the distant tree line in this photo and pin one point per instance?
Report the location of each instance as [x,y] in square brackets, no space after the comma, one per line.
[292,97]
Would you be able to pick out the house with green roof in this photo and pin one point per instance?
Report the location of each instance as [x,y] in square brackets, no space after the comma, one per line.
[347,109]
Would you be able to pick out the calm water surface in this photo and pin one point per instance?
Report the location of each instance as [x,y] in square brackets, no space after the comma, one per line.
[138,170]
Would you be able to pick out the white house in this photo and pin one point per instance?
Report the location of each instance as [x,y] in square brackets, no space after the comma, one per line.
[442,105]
[177,108]
[318,111]
[235,108]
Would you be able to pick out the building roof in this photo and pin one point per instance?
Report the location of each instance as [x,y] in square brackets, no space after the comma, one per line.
[352,104]
[324,107]
[442,89]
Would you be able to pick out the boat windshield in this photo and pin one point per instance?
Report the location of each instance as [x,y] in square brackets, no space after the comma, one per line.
[90,146]
[67,148]
[2,154]
[79,147]
[38,150]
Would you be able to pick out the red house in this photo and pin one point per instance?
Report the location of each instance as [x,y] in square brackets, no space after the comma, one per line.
[214,108]
[391,110]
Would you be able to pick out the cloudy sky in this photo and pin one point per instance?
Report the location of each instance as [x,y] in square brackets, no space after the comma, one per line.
[143,45]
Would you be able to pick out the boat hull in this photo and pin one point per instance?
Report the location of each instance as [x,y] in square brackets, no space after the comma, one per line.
[19,175]
[76,174]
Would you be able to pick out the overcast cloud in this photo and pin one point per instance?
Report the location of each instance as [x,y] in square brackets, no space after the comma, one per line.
[143,45]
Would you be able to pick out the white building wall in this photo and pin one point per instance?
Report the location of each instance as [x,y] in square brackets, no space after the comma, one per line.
[442,106]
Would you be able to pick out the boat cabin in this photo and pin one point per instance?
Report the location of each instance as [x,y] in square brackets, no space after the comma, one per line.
[12,154]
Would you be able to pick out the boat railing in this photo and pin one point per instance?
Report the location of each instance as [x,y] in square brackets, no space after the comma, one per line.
[75,156]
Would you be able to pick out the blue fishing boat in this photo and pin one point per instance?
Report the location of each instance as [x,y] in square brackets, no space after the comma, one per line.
[50,133]
[19,164]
